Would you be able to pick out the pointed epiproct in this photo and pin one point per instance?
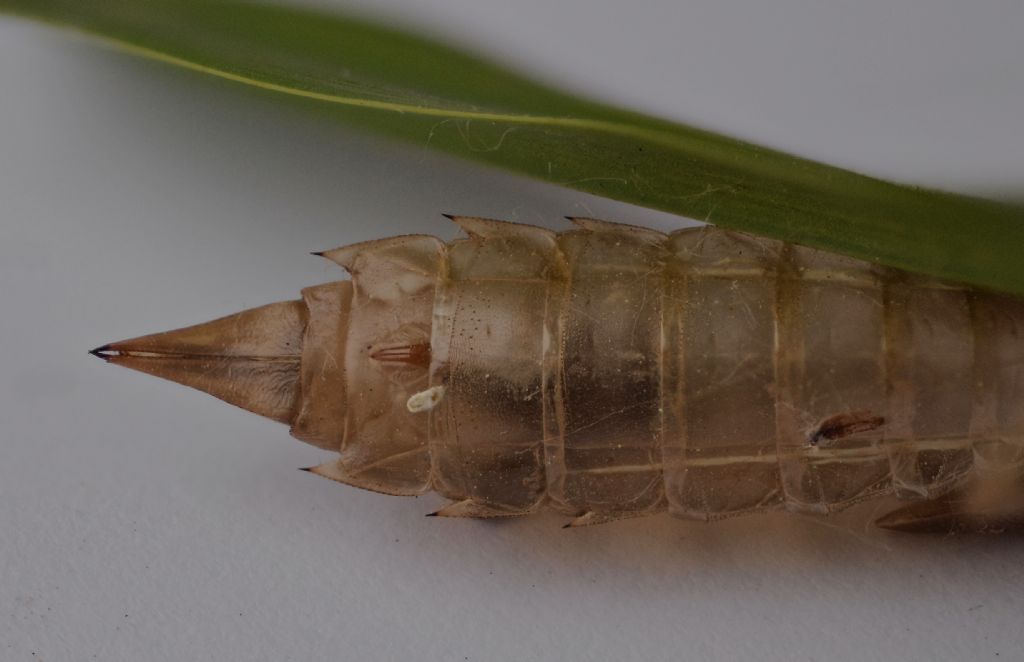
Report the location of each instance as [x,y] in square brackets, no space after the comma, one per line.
[250,359]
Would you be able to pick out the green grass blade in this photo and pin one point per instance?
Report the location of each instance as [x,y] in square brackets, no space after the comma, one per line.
[422,91]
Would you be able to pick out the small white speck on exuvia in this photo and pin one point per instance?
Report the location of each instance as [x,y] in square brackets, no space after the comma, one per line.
[425,400]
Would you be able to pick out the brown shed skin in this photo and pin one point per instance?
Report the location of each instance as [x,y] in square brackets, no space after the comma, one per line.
[612,371]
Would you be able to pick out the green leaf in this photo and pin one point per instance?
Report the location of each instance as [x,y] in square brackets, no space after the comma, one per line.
[428,93]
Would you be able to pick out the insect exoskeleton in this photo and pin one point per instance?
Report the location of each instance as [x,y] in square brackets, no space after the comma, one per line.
[613,371]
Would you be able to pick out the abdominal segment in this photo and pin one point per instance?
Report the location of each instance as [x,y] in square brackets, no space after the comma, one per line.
[611,371]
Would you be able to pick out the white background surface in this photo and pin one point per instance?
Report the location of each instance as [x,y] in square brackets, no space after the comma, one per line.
[141,520]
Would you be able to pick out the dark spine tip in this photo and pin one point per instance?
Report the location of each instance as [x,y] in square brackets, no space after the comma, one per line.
[433,514]
[101,352]
[450,217]
[567,525]
[309,469]
[317,253]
